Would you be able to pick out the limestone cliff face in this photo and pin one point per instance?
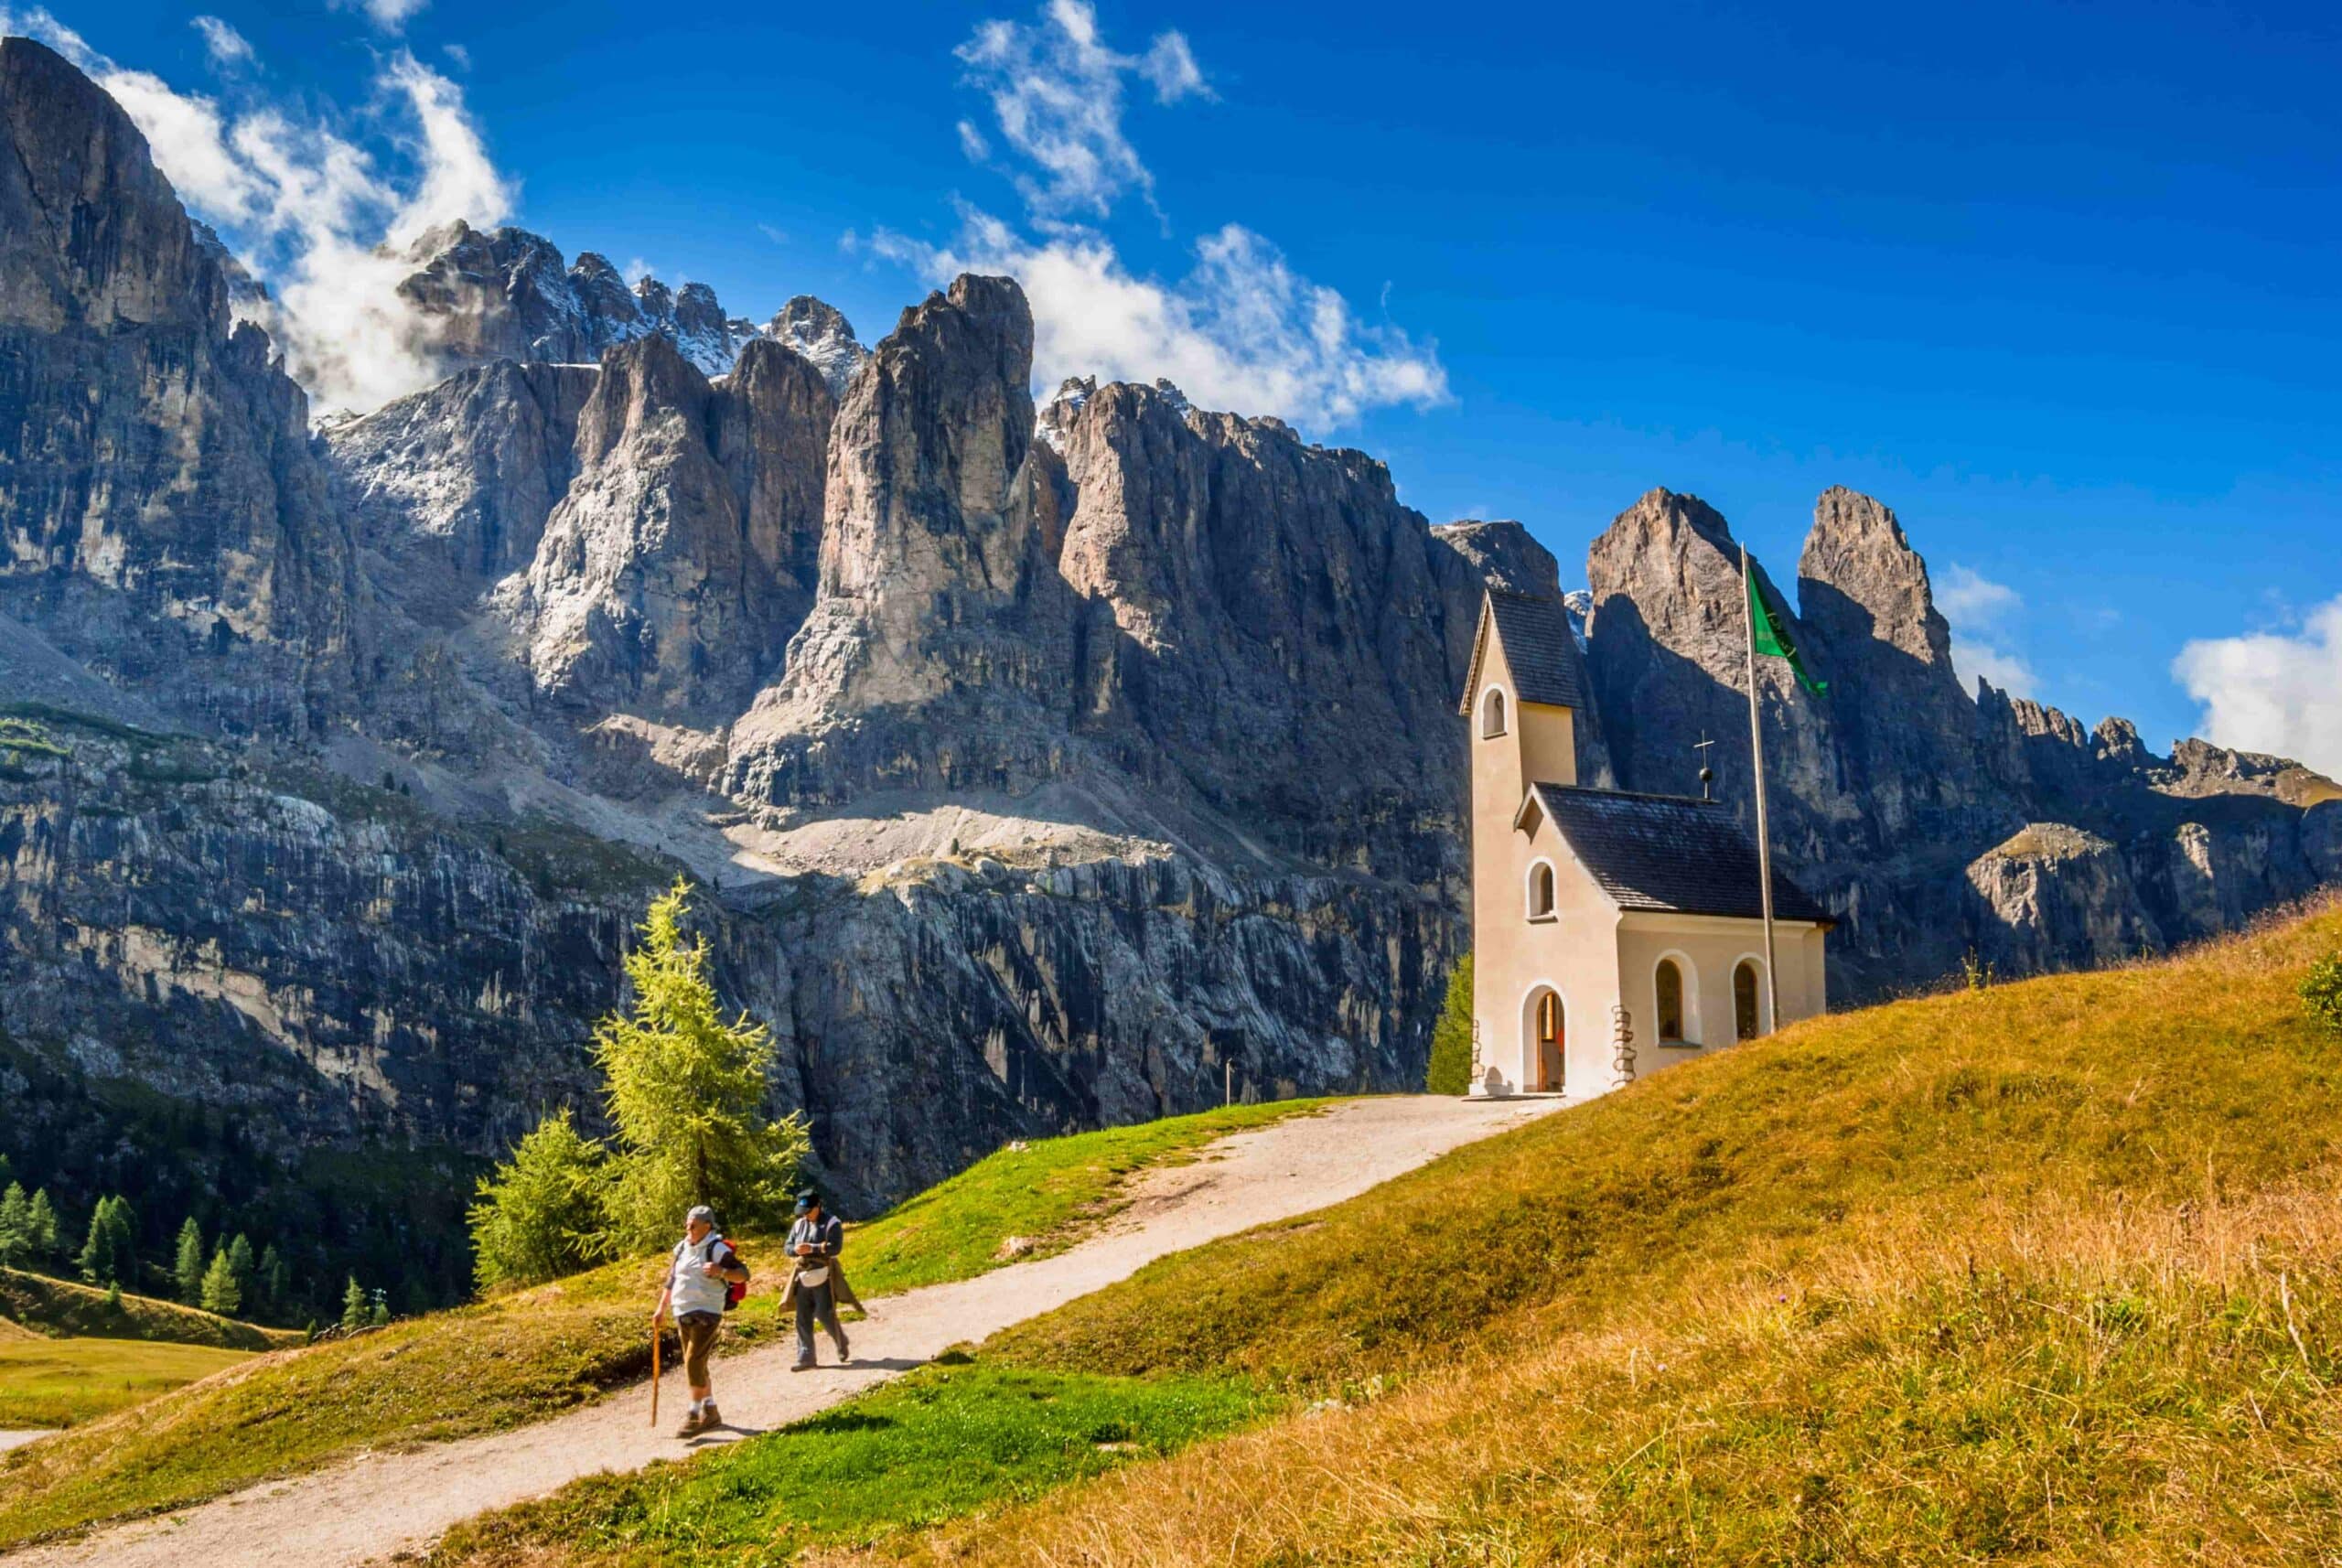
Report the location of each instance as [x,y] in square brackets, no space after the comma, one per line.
[666,579]
[164,517]
[231,930]
[460,480]
[1266,615]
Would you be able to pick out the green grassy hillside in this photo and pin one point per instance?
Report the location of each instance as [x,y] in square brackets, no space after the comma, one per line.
[2051,1271]
[525,1355]
[61,1307]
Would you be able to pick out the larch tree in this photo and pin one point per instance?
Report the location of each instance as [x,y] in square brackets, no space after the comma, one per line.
[15,1225]
[356,1311]
[545,1211]
[42,1228]
[1451,1036]
[242,1265]
[221,1293]
[685,1089]
[187,1269]
[109,1252]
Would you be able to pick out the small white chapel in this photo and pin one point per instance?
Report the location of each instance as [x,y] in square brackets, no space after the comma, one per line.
[1613,933]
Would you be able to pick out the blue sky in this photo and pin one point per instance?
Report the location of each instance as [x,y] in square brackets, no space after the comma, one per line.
[2058,283]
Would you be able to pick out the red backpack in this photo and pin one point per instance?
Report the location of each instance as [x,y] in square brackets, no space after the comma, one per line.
[734,1291]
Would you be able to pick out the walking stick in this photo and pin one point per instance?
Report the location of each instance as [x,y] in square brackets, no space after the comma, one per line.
[654,1372]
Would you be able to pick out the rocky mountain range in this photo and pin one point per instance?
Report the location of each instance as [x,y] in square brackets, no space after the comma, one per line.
[1040,766]
[508,295]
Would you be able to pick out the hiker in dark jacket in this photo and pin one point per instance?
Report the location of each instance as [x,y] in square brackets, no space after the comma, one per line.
[699,1277]
[814,1243]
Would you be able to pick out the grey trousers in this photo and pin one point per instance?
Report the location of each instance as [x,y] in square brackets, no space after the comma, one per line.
[817,1301]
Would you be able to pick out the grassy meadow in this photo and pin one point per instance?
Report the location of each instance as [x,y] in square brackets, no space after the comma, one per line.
[524,1355]
[63,1383]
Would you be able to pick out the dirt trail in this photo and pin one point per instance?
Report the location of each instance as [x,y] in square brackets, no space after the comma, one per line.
[382,1503]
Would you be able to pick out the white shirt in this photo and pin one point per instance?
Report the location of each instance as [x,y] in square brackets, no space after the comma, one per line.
[692,1290]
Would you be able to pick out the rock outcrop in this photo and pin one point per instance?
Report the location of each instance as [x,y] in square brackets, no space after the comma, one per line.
[821,333]
[2053,897]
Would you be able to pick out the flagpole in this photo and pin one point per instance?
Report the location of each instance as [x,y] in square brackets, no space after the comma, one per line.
[1756,749]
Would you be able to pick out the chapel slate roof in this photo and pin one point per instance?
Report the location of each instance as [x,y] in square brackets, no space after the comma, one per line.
[1538,647]
[1670,853]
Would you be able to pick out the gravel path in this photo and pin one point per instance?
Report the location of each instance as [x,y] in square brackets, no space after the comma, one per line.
[383,1503]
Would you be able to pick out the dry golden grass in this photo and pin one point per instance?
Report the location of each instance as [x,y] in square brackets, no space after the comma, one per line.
[2051,1271]
[2116,1385]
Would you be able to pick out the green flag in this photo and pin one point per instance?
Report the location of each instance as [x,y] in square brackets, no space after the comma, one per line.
[1771,636]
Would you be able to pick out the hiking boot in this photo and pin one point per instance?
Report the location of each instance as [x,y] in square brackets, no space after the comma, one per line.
[806,1365]
[693,1425]
[845,1353]
[709,1420]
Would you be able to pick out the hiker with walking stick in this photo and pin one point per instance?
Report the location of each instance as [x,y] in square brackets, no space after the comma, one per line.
[704,1279]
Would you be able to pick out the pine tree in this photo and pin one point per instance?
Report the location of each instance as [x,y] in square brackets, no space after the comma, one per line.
[241,1265]
[187,1269]
[15,1225]
[96,1258]
[276,1282]
[221,1293]
[544,1212]
[381,1313]
[354,1309]
[1451,1036]
[125,1243]
[42,1228]
[686,1091]
[106,1257]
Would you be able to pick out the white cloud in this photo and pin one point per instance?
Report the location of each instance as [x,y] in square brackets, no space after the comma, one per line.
[1966,595]
[1171,67]
[1978,610]
[1057,93]
[391,16]
[312,212]
[2007,671]
[1241,331]
[777,236]
[2273,692]
[226,46]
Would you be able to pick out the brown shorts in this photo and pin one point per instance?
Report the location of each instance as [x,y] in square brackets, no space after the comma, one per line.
[697,1331]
